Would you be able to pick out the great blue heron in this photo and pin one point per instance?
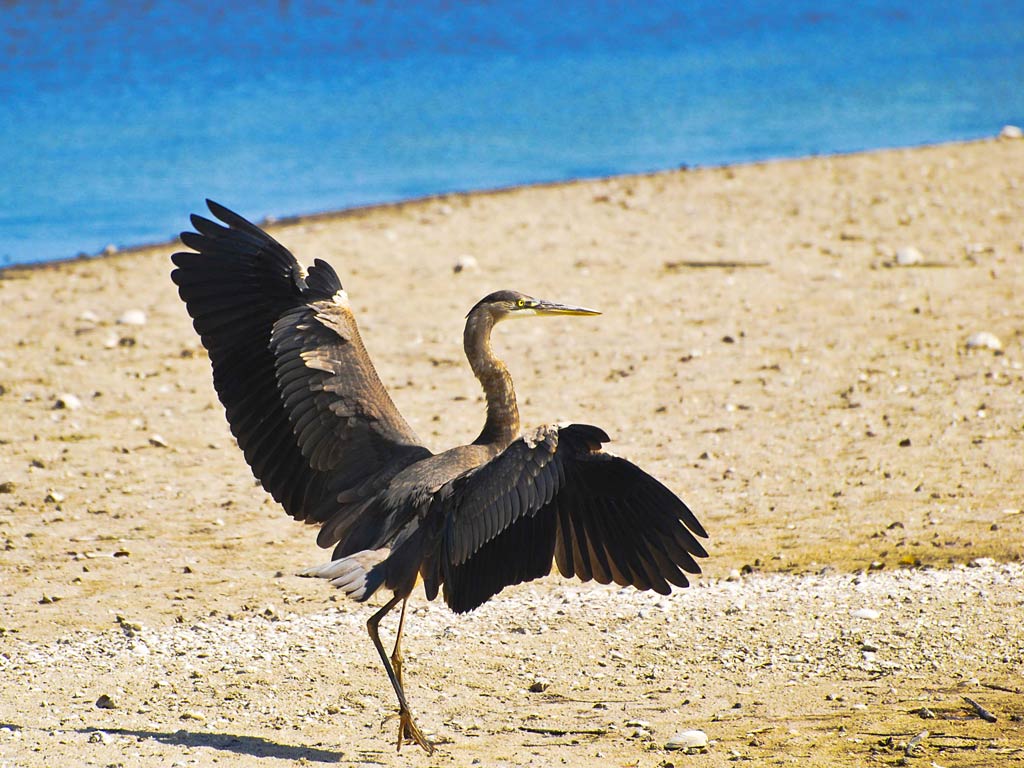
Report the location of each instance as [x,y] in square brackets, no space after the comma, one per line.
[324,438]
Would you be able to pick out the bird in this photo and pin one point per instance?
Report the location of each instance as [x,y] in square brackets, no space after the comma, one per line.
[321,434]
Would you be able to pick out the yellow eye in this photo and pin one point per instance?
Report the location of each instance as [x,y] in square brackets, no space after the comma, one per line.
[521,302]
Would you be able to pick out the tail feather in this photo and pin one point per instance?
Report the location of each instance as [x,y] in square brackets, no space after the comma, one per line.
[359,575]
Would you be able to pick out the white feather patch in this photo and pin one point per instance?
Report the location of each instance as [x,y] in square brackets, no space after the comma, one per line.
[349,573]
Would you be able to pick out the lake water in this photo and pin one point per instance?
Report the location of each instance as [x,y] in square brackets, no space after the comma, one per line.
[118,119]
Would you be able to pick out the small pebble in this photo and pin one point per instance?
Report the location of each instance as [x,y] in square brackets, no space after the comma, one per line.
[983,340]
[688,741]
[1011,132]
[54,497]
[465,263]
[68,402]
[866,613]
[132,317]
[157,441]
[908,256]
[539,685]
[105,702]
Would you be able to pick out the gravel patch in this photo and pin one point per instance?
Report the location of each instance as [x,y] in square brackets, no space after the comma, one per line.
[686,661]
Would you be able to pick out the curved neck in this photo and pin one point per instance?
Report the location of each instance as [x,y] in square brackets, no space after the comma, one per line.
[502,425]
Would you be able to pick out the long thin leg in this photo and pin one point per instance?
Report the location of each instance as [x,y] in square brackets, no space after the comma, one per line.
[396,654]
[407,727]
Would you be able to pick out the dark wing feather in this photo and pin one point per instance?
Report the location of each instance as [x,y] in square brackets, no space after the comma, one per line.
[284,355]
[599,516]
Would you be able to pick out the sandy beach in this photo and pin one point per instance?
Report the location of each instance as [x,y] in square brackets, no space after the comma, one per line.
[823,357]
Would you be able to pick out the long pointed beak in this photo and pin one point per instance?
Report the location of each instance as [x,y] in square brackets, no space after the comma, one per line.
[551,308]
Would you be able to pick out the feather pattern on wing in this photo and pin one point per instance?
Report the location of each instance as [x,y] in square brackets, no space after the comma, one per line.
[298,387]
[557,496]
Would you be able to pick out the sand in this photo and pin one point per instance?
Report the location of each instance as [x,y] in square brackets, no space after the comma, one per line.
[762,350]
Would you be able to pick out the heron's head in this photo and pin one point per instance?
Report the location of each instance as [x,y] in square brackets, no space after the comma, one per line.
[503,305]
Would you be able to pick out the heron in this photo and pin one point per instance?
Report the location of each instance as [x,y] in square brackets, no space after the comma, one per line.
[323,437]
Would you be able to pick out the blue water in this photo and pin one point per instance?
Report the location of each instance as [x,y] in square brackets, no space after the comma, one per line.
[118,119]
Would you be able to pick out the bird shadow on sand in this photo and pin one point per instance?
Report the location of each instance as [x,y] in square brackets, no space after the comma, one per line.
[254,746]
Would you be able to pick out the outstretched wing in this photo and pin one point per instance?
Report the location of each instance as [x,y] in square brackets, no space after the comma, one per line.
[300,393]
[558,496]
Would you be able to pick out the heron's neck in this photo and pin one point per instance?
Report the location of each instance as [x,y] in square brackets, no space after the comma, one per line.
[502,425]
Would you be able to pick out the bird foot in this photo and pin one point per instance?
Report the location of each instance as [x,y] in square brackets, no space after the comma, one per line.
[409,732]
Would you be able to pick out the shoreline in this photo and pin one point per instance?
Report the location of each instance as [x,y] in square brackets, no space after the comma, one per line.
[331,215]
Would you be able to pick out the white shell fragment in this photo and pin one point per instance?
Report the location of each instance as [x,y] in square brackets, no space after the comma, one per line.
[1011,132]
[132,317]
[908,256]
[983,340]
[688,741]
[866,613]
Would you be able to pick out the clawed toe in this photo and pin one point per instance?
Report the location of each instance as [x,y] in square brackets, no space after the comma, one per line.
[409,732]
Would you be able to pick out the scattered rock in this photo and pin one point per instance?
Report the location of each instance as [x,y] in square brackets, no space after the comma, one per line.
[972,250]
[1011,132]
[539,685]
[132,317]
[54,497]
[68,402]
[465,263]
[130,628]
[157,441]
[88,316]
[7,487]
[688,741]
[866,613]
[916,743]
[105,701]
[908,256]
[983,340]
